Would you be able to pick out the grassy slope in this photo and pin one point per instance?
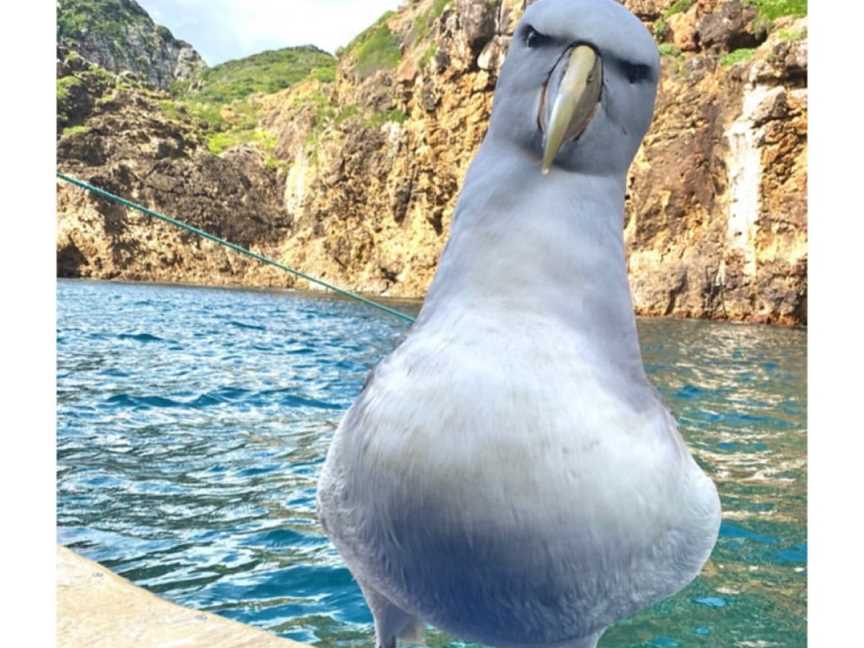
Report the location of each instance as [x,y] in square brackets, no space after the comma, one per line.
[267,72]
[222,98]
[772,9]
[375,48]
[107,17]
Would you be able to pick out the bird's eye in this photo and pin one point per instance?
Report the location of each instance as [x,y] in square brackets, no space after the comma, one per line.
[533,38]
[636,72]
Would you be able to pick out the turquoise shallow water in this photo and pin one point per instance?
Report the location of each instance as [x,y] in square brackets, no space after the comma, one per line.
[192,424]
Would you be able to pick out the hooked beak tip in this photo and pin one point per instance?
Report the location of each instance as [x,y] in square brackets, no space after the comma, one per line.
[575,100]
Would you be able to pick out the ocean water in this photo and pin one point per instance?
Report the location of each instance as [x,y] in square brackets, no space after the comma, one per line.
[192,424]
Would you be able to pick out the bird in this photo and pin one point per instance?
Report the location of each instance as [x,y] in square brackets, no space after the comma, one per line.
[509,474]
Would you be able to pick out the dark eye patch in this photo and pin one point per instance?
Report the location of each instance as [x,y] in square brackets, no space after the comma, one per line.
[533,38]
[636,72]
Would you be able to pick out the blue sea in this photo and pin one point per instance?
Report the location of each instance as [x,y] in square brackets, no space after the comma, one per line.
[192,423]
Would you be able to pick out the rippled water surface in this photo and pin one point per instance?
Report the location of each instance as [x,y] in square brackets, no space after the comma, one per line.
[192,424]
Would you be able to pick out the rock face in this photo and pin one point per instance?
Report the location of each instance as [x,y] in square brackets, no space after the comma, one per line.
[125,144]
[716,206]
[717,209]
[121,37]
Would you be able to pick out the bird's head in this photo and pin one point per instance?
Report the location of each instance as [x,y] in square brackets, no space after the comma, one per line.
[577,89]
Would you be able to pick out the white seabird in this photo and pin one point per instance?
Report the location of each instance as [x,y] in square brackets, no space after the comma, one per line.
[508,474]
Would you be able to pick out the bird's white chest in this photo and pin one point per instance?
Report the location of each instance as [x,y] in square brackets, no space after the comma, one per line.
[511,471]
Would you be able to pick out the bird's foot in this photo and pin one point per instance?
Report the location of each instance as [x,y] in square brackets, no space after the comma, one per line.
[392,622]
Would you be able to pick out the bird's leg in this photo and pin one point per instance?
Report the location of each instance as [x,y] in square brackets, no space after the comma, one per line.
[391,622]
[585,642]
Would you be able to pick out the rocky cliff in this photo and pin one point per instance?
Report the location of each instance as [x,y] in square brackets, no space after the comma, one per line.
[368,161]
[131,139]
[121,37]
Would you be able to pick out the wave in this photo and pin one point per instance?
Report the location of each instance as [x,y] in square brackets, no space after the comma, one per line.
[222,396]
[242,325]
[140,337]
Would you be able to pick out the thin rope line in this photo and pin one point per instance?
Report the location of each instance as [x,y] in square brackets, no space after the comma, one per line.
[233,246]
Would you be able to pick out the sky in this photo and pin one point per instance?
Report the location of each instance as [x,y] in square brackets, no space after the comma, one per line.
[227,29]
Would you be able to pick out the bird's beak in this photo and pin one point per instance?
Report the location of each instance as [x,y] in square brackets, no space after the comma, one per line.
[575,99]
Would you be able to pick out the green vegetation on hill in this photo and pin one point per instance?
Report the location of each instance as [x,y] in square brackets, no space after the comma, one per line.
[224,125]
[108,17]
[266,72]
[741,55]
[767,12]
[326,114]
[772,9]
[359,39]
[424,21]
[375,48]
[72,131]
[120,36]
[324,74]
[221,100]
[679,6]
[76,92]
[792,34]
[428,54]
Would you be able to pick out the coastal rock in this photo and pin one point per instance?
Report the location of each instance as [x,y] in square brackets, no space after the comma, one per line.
[684,28]
[646,10]
[120,36]
[477,24]
[704,210]
[129,147]
[369,165]
[732,25]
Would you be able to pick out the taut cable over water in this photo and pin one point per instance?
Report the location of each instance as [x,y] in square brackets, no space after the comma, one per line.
[102,193]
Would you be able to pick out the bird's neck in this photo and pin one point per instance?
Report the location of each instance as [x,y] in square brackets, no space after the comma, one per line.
[526,248]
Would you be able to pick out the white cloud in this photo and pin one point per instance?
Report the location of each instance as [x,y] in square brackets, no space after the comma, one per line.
[227,29]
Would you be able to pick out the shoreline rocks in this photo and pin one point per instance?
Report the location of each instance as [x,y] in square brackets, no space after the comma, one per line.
[369,166]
